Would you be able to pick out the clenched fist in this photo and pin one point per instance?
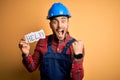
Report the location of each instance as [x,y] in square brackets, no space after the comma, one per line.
[78,47]
[24,46]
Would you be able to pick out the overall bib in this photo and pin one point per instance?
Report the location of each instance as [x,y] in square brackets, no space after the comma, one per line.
[56,66]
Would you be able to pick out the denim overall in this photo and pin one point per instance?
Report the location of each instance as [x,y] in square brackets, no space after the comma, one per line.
[56,66]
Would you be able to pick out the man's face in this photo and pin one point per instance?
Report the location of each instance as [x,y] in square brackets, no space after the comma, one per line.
[59,26]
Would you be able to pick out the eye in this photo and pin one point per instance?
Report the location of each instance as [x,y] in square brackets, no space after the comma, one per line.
[54,22]
[63,21]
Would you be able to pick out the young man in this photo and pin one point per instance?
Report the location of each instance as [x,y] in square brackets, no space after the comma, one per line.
[59,56]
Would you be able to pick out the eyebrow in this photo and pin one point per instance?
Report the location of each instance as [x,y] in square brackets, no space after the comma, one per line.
[63,17]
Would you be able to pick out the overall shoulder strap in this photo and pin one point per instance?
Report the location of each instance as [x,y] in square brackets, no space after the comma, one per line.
[49,42]
[67,45]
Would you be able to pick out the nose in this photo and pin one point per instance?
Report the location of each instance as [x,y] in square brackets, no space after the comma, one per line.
[59,24]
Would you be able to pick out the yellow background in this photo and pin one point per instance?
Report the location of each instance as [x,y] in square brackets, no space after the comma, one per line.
[96,22]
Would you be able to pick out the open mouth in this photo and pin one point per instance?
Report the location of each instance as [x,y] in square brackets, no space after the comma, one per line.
[60,32]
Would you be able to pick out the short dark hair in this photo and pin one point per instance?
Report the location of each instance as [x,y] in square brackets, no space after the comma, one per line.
[51,18]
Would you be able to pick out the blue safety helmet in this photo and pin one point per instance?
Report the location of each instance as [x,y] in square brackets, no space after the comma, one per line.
[58,9]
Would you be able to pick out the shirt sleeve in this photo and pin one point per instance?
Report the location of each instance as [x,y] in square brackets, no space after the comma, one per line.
[77,71]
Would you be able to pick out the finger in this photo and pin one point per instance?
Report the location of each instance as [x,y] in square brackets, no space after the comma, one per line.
[23,46]
[22,43]
[80,42]
[23,40]
[75,43]
[20,46]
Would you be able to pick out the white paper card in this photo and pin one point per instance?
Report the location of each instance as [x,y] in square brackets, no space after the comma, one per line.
[35,36]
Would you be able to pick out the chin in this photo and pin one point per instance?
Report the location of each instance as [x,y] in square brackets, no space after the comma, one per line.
[62,38]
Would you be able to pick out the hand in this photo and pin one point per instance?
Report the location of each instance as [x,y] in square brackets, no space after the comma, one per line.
[78,47]
[24,46]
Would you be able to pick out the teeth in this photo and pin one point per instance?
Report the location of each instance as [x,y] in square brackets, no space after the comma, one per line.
[60,31]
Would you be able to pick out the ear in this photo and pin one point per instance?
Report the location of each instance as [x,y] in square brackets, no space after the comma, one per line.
[50,24]
[68,22]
